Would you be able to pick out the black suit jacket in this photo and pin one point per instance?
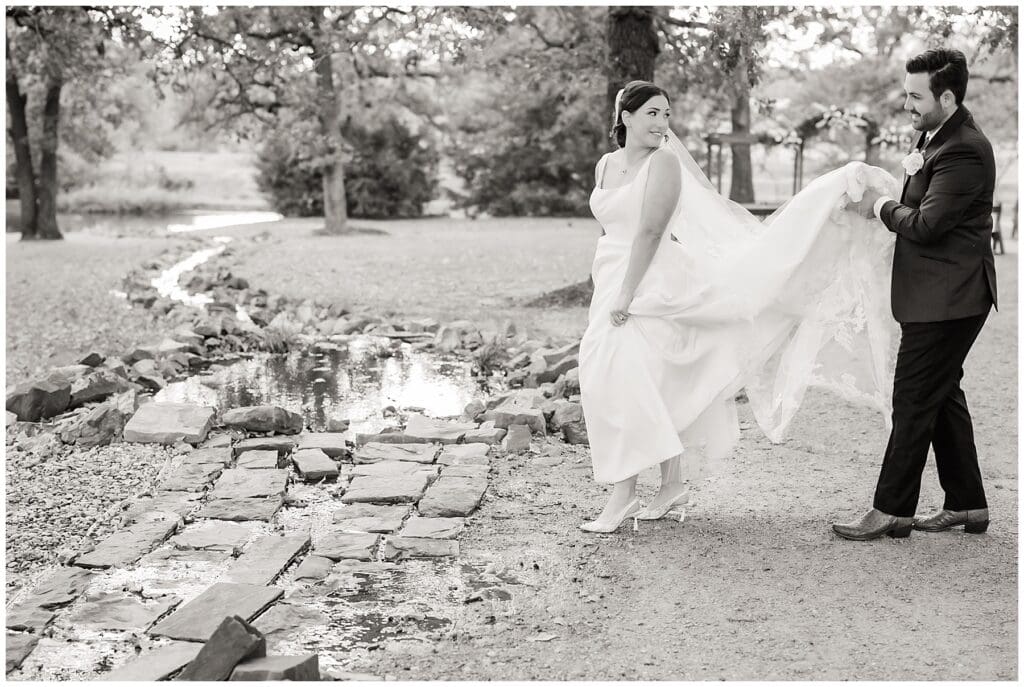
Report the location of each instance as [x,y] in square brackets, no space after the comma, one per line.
[943,267]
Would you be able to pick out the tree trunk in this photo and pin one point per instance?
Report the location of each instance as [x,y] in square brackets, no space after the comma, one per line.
[22,152]
[632,49]
[335,208]
[741,189]
[47,219]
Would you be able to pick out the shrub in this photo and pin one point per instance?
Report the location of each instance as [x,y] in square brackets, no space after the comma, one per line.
[539,162]
[391,172]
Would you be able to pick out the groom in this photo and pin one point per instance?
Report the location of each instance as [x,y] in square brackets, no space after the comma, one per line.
[943,285]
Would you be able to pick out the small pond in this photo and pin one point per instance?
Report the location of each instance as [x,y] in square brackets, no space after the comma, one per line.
[355,380]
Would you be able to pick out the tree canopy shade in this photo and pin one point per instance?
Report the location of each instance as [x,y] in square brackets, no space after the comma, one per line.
[49,48]
[304,60]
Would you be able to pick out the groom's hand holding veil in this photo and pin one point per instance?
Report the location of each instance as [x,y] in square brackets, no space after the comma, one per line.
[866,206]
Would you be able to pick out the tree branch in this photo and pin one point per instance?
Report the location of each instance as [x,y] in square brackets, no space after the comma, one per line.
[683,23]
[540,34]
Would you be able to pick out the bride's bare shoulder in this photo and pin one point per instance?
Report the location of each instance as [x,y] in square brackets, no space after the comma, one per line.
[665,165]
[601,161]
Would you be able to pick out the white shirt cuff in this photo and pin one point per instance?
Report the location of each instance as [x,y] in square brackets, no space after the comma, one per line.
[879,203]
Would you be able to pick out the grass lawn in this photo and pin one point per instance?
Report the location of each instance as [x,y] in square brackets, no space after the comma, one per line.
[153,181]
[480,270]
[59,305]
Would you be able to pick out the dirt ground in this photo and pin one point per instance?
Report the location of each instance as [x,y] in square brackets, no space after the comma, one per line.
[753,585]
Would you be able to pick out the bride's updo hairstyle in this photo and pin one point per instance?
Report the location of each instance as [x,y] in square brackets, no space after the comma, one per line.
[631,98]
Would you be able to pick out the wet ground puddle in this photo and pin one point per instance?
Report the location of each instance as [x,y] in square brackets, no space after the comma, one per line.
[355,380]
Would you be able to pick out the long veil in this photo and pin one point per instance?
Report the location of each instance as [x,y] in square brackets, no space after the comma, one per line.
[807,289]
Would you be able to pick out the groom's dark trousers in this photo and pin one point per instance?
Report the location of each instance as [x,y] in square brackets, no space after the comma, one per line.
[943,287]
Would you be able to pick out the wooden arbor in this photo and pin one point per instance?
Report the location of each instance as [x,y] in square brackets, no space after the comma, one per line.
[806,130]
[834,118]
[715,141]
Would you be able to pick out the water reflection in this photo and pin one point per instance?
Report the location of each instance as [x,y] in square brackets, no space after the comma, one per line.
[220,220]
[167,283]
[350,381]
[151,225]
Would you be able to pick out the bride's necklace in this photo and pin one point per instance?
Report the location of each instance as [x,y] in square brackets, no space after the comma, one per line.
[629,166]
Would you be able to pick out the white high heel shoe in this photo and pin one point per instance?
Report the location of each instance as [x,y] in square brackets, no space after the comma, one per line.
[631,509]
[674,507]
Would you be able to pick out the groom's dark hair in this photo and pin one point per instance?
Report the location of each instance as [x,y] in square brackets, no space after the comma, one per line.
[947,71]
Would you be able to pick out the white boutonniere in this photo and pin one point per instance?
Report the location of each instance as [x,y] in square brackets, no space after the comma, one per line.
[913,163]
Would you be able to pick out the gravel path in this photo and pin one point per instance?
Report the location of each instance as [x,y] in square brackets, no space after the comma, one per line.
[60,498]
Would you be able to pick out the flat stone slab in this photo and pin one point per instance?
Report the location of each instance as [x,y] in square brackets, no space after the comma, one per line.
[225,536]
[18,646]
[331,443]
[200,617]
[218,441]
[29,617]
[465,454]
[304,668]
[398,548]
[452,497]
[191,477]
[286,619]
[364,517]
[311,568]
[339,545]
[241,510]
[128,545]
[163,554]
[212,455]
[392,467]
[388,489]
[314,465]
[155,665]
[480,471]
[264,559]
[169,423]
[239,483]
[431,430]
[118,611]
[60,588]
[181,503]
[259,459]
[283,445]
[433,528]
[486,435]
[375,452]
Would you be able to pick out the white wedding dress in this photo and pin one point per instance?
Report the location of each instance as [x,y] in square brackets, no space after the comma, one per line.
[729,302]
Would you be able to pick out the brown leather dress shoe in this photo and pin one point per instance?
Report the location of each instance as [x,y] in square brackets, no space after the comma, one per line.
[974,521]
[873,525]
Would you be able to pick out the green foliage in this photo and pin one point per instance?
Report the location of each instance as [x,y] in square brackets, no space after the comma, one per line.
[391,171]
[541,161]
[526,113]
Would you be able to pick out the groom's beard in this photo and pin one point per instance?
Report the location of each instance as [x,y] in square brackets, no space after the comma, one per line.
[927,122]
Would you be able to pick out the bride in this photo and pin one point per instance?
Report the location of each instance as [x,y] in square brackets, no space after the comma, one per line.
[695,299]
